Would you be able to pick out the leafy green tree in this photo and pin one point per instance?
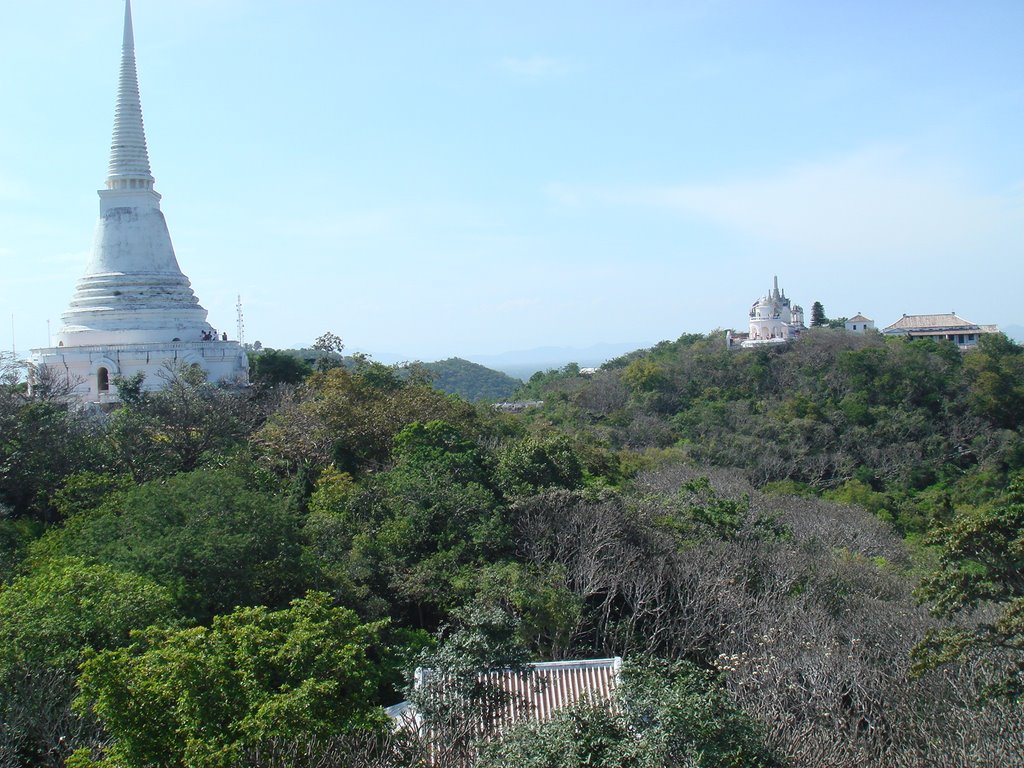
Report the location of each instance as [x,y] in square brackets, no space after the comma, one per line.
[49,617]
[204,535]
[329,346]
[48,621]
[542,383]
[532,464]
[200,697]
[981,563]
[550,614]
[407,542]
[41,443]
[429,522]
[644,375]
[698,513]
[85,491]
[158,433]
[995,371]
[350,418]
[271,367]
[818,318]
[585,735]
[440,446]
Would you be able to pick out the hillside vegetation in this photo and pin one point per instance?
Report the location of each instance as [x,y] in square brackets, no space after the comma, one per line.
[455,376]
[471,381]
[808,556]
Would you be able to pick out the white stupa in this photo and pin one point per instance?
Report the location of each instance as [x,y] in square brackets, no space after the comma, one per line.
[134,310]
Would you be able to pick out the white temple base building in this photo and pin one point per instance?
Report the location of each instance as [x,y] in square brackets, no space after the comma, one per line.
[134,310]
[90,371]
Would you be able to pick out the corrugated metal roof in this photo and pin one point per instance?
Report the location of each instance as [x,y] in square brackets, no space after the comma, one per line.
[539,690]
[547,687]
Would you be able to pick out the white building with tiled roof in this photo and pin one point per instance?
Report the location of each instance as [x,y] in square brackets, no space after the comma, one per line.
[858,323]
[949,327]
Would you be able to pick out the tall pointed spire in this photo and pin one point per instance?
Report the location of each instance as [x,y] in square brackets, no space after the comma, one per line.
[133,290]
[129,158]
[134,310]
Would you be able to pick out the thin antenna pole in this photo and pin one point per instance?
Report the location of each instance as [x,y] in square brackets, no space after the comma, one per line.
[49,336]
[14,349]
[241,320]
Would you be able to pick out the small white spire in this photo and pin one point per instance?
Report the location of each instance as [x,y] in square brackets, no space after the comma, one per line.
[129,158]
[128,43]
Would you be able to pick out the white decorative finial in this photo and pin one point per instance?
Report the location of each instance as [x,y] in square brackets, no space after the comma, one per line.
[129,158]
[129,34]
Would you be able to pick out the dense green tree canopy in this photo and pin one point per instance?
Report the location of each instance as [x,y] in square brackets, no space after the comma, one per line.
[209,539]
[198,697]
[271,367]
[49,620]
[350,418]
[174,429]
[765,514]
[470,381]
[49,617]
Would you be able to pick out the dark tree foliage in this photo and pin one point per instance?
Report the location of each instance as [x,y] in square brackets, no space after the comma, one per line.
[530,465]
[271,368]
[995,373]
[176,428]
[818,317]
[204,535]
[41,443]
[417,532]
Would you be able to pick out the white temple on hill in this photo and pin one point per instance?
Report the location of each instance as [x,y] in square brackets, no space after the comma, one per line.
[134,310]
[774,319]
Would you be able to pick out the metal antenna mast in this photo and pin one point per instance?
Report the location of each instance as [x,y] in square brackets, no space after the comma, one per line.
[241,321]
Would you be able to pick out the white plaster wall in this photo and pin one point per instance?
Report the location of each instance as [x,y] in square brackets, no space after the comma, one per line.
[223,361]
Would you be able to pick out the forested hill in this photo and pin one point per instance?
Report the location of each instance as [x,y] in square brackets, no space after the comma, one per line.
[471,381]
[910,427]
[808,556]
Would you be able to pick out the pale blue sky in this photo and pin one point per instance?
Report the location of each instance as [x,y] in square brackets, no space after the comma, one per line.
[456,178]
